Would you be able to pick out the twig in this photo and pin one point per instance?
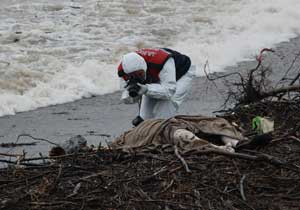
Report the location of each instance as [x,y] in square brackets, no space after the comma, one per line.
[161,170]
[37,139]
[75,190]
[290,67]
[222,152]
[75,7]
[182,160]
[58,157]
[41,155]
[17,144]
[208,76]
[274,92]
[19,163]
[53,186]
[167,187]
[242,187]
[56,203]
[168,202]
[296,78]
[260,157]
[92,176]
[229,194]
[294,138]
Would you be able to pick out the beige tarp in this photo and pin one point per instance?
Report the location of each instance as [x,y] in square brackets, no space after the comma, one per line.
[158,132]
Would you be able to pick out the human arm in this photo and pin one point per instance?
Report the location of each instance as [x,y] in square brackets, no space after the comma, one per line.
[167,86]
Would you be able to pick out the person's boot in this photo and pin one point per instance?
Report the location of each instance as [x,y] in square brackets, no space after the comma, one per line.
[136,121]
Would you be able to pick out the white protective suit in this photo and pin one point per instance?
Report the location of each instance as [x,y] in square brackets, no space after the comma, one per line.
[163,99]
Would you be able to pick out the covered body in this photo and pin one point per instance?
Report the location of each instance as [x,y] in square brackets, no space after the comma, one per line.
[159,132]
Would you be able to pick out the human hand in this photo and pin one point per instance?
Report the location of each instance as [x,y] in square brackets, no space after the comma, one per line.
[129,100]
[143,89]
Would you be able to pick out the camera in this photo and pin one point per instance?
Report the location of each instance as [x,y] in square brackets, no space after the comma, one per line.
[133,87]
[133,90]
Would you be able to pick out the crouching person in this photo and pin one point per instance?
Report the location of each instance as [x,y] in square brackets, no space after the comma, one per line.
[159,79]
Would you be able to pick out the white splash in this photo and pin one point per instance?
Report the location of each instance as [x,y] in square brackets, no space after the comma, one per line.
[238,30]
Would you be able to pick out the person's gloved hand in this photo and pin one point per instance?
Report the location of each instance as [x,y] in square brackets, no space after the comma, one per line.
[143,89]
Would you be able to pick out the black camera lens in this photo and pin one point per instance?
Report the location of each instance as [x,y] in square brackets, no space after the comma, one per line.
[133,94]
[133,90]
[133,87]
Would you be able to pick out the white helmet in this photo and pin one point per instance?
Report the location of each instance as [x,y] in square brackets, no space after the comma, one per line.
[132,62]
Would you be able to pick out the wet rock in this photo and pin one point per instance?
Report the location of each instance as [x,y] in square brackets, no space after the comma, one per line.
[75,144]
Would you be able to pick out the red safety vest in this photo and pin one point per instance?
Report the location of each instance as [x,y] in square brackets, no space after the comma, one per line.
[155,59]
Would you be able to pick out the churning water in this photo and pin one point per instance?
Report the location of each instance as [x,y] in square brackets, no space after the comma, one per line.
[58,51]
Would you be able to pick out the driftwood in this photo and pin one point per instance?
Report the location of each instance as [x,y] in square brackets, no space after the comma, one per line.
[35,138]
[295,88]
[109,179]
[12,144]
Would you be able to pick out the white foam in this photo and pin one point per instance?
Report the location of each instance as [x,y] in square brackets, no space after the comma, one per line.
[76,82]
[61,51]
[240,32]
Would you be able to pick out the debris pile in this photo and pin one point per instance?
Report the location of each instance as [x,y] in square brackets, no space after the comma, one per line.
[156,178]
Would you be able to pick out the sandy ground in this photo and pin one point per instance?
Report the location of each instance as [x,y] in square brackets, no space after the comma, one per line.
[105,114]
